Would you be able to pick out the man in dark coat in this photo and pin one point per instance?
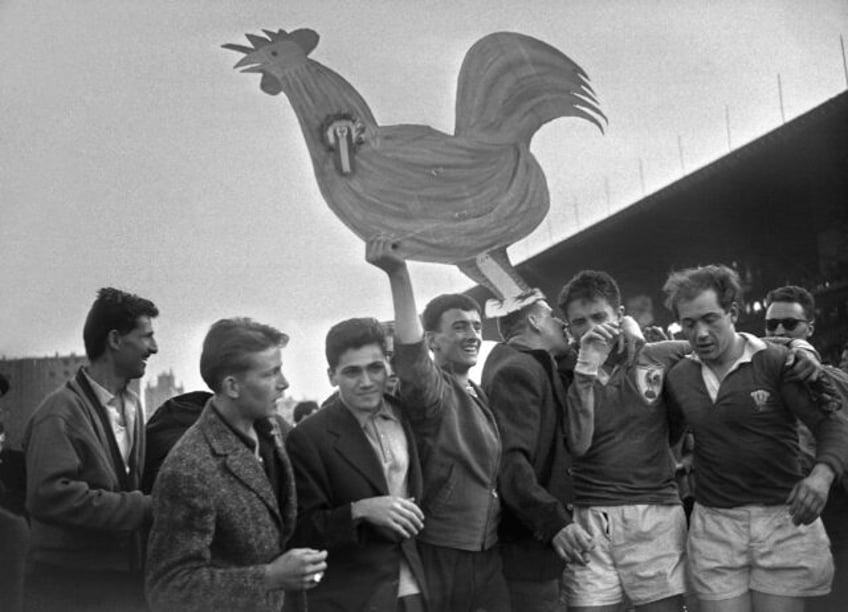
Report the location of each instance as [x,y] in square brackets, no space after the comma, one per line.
[224,502]
[527,395]
[165,427]
[358,479]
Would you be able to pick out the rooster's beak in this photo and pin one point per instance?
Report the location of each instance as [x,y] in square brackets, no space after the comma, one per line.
[252,62]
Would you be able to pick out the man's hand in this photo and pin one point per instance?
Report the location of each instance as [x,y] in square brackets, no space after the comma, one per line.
[573,544]
[631,338]
[398,515]
[296,570]
[595,347]
[383,252]
[809,496]
[802,366]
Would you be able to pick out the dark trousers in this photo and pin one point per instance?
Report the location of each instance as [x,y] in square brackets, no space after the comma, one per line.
[464,581]
[60,589]
[14,540]
[535,596]
[411,603]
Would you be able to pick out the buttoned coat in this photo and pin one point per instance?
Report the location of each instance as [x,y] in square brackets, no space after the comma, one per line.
[335,465]
[216,523]
[527,395]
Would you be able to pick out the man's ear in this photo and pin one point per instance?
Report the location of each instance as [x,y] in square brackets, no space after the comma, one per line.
[811,327]
[430,339]
[230,387]
[113,339]
[533,321]
[331,376]
[621,312]
[733,311]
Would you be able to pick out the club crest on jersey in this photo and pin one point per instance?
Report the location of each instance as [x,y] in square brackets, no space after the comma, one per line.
[649,379]
[761,398]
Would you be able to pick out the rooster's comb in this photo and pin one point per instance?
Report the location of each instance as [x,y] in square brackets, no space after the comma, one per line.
[305,39]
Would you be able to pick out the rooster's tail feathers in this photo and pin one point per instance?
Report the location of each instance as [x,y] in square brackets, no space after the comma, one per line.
[511,84]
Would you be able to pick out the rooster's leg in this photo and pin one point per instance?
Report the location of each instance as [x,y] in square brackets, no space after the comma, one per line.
[494,271]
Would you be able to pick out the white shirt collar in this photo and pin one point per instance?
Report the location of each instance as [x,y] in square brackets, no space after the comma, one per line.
[753,345]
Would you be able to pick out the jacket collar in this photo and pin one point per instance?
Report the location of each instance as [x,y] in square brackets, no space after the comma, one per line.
[237,458]
[353,446]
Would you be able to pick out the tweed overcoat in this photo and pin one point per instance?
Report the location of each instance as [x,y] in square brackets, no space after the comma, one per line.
[216,523]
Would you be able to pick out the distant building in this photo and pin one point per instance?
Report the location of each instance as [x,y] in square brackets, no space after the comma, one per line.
[31,379]
[164,389]
[775,209]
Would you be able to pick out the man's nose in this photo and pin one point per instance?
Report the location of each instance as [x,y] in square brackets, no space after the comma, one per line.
[701,329]
[473,332]
[282,383]
[153,348]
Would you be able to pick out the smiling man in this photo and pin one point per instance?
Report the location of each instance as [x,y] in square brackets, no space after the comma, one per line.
[359,482]
[84,452]
[755,541]
[458,440]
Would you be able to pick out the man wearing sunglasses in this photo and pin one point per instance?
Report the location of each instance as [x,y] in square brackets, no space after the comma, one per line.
[790,313]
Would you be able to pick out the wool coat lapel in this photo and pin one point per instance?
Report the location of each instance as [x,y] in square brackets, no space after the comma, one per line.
[354,447]
[238,459]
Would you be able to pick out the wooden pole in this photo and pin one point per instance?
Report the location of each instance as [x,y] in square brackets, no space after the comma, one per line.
[727,124]
[844,62]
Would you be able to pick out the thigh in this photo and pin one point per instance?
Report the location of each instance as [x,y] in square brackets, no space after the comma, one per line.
[740,603]
[441,565]
[717,550]
[649,550]
[49,589]
[790,560]
[596,583]
[490,589]
[461,580]
[763,602]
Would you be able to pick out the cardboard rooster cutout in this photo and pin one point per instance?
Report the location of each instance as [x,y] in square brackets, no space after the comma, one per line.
[458,199]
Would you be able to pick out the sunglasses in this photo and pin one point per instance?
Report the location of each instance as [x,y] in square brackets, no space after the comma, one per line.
[788,324]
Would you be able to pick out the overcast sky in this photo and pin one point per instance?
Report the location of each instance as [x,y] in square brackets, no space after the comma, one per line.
[133,155]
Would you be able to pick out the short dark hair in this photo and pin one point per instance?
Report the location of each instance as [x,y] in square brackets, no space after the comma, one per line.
[589,285]
[515,322]
[113,309]
[689,283]
[432,317]
[229,345]
[353,334]
[796,294]
[303,410]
